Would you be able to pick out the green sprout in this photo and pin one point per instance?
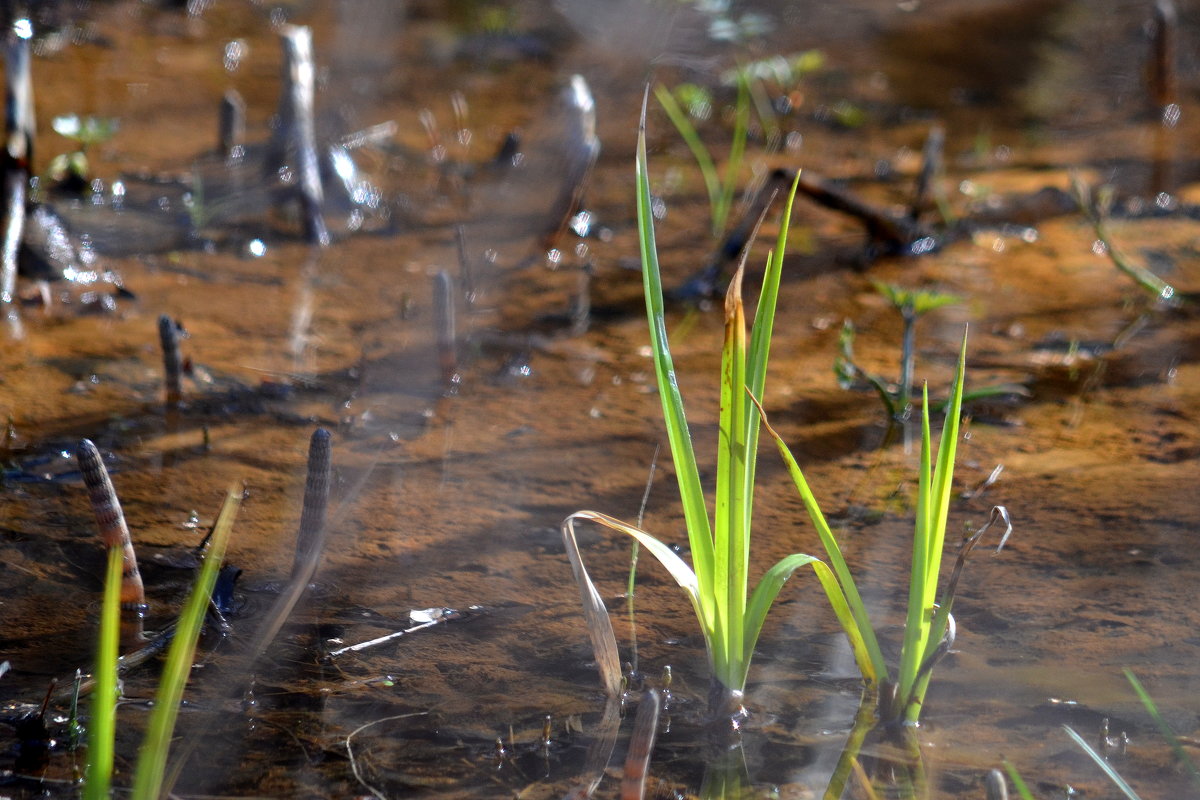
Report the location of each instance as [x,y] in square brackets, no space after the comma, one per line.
[1097,215]
[897,399]
[72,169]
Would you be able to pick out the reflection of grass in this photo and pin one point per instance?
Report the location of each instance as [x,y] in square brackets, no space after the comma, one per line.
[152,756]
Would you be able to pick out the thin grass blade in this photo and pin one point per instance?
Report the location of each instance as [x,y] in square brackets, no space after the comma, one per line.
[1112,774]
[731,538]
[858,610]
[682,453]
[1151,708]
[152,757]
[103,727]
[708,170]
[1018,781]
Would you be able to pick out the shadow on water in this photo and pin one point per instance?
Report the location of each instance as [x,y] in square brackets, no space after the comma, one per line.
[478,351]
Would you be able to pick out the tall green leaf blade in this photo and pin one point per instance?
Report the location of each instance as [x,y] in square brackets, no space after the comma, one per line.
[920,599]
[682,453]
[731,538]
[936,503]
[760,342]
[152,757]
[103,726]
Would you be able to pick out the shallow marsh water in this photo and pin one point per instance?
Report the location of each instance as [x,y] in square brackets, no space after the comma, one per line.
[455,500]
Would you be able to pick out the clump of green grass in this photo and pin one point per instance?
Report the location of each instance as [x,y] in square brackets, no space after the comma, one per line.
[717,581]
[152,756]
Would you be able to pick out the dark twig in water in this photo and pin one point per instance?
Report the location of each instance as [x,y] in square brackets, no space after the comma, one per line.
[1163,82]
[641,745]
[310,541]
[231,136]
[18,152]
[466,270]
[110,519]
[168,335]
[444,325]
[294,140]
[931,168]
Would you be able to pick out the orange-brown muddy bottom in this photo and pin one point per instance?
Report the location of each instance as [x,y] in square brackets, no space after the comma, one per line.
[453,499]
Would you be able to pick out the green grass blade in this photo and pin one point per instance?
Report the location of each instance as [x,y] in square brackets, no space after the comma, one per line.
[1018,781]
[1112,774]
[731,537]
[768,589]
[708,170]
[152,757]
[760,341]
[682,453]
[102,728]
[920,601]
[737,151]
[857,609]
[1151,708]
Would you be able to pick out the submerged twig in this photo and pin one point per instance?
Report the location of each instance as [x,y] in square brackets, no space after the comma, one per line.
[434,616]
[110,519]
[444,326]
[231,134]
[354,767]
[1163,82]
[1096,215]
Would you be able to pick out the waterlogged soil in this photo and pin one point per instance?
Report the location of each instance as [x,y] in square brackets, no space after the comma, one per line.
[451,495]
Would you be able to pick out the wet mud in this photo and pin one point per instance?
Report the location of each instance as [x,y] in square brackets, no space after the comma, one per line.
[449,494]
